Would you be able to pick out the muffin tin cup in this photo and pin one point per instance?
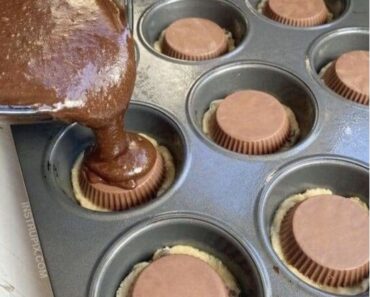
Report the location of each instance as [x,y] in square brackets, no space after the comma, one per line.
[328,47]
[141,118]
[338,8]
[163,13]
[345,177]
[222,81]
[168,230]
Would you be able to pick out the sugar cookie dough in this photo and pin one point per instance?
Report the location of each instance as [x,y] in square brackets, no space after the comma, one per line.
[324,69]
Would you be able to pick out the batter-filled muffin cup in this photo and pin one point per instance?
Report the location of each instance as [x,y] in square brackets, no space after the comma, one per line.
[194,39]
[181,271]
[100,196]
[324,239]
[297,13]
[348,76]
[251,122]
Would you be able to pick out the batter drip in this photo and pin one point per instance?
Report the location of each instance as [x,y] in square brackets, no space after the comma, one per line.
[74,60]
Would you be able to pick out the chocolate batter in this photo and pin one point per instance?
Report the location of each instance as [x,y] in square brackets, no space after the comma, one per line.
[74,60]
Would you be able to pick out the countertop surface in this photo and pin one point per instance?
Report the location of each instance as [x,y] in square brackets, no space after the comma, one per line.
[22,268]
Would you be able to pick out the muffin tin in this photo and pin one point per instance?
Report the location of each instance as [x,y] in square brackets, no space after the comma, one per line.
[221,202]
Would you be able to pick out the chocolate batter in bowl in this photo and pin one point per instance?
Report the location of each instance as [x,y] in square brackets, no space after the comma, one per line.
[75,61]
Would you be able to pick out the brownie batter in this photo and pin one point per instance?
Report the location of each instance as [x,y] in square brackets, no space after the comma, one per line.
[104,201]
[74,60]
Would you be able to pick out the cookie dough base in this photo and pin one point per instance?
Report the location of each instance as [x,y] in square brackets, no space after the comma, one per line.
[231,42]
[262,4]
[167,182]
[125,289]
[324,69]
[209,119]
[275,241]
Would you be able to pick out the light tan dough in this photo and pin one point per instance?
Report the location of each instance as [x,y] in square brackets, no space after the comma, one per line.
[209,119]
[323,69]
[126,286]
[167,182]
[276,245]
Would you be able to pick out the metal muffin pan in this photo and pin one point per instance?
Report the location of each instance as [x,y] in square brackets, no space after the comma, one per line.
[169,99]
[345,177]
[229,78]
[143,118]
[176,229]
[329,47]
[160,15]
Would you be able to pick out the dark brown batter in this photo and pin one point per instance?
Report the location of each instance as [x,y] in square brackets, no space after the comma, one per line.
[75,60]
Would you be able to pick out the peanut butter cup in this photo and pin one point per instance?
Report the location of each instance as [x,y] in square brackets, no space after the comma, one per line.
[133,192]
[348,76]
[298,13]
[180,276]
[326,238]
[251,122]
[194,39]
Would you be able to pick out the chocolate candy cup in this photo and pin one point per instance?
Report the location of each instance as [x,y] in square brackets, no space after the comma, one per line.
[327,239]
[348,76]
[251,122]
[194,39]
[180,276]
[297,13]
[117,199]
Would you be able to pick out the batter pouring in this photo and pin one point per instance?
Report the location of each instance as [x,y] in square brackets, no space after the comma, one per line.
[74,60]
